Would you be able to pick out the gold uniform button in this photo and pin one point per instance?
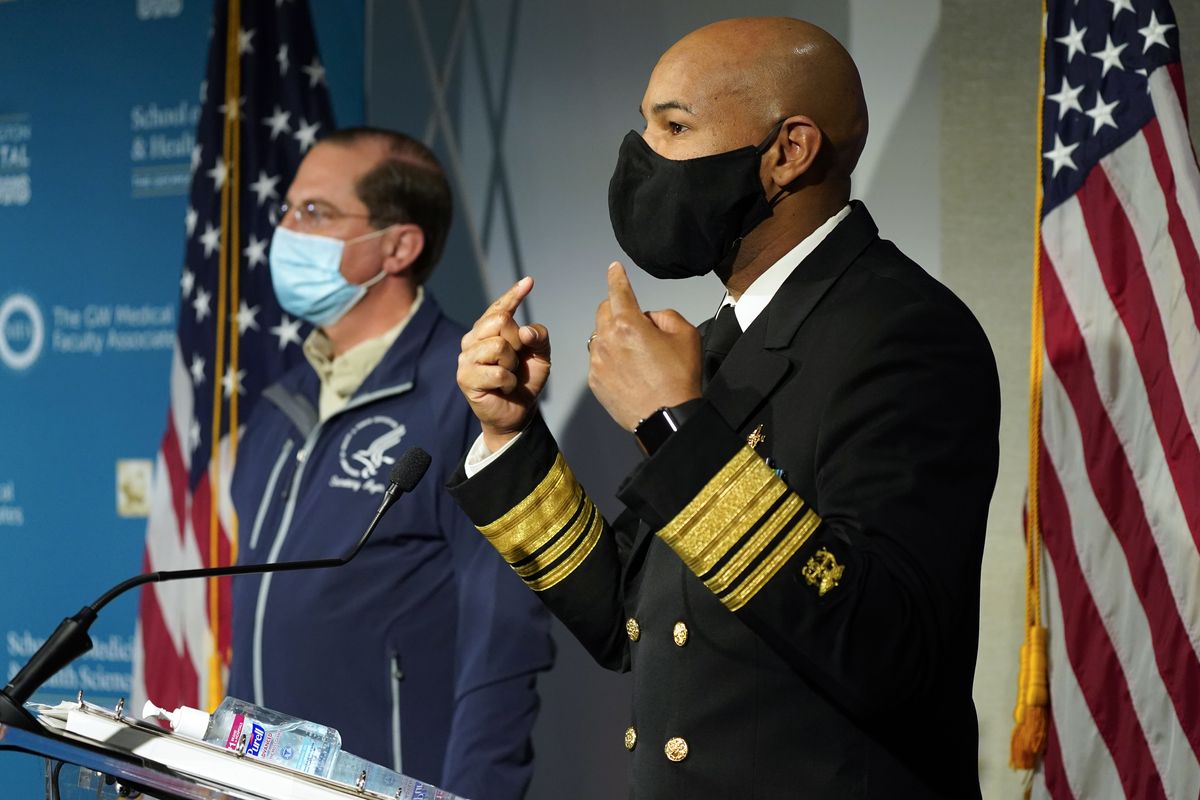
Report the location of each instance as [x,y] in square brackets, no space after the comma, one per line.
[680,634]
[630,737]
[633,629]
[676,748]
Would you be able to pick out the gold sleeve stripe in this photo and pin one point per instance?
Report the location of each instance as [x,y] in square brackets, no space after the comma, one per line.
[712,522]
[551,548]
[765,534]
[578,551]
[531,523]
[550,532]
[740,529]
[563,540]
[767,569]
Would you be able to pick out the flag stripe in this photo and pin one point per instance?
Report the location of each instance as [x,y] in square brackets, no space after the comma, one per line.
[1111,198]
[1083,547]
[1117,409]
[1175,73]
[170,612]
[1126,477]
[1175,166]
[1054,776]
[1092,656]
[179,604]
[1180,280]
[167,550]
[156,638]
[1087,772]
[1176,276]
[202,536]
[1117,494]
[1125,414]
[1183,218]
[170,460]
[181,407]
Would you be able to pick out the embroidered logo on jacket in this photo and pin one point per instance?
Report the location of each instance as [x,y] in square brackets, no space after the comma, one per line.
[823,571]
[364,454]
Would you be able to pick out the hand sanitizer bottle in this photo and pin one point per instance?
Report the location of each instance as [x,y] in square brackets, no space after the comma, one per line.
[259,733]
[357,772]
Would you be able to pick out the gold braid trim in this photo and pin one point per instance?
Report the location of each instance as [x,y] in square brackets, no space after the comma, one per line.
[737,564]
[773,563]
[555,521]
[586,535]
[735,500]
[708,526]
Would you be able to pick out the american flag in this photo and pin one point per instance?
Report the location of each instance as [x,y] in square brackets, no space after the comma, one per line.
[264,104]
[1117,376]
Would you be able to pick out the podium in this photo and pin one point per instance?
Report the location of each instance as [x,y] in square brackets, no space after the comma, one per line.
[146,758]
[143,759]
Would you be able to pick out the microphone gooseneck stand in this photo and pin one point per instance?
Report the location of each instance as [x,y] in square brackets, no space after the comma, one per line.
[70,639]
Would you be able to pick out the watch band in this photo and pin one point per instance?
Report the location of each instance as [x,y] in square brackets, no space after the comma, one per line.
[652,432]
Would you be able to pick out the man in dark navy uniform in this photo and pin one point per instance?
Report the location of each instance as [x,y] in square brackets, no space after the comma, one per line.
[795,580]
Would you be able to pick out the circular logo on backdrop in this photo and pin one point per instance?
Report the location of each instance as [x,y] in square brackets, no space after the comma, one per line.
[22,331]
[364,450]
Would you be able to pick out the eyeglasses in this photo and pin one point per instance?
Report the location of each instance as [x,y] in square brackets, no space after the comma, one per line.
[309,216]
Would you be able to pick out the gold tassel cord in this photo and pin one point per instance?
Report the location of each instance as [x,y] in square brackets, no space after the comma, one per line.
[1031,713]
[1033,701]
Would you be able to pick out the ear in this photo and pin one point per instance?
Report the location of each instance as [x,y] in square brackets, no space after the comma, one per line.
[795,151]
[402,244]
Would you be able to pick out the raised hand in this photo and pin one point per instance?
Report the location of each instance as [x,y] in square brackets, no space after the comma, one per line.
[640,361]
[503,367]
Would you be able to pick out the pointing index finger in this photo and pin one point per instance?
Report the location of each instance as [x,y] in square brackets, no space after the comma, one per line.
[621,298]
[510,301]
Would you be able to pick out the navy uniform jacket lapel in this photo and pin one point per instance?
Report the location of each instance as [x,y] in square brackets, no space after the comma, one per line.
[753,367]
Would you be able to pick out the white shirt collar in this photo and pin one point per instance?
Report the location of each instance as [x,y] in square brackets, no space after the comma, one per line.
[759,294]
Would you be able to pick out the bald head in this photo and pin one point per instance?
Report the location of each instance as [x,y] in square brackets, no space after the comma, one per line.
[780,84]
[736,78]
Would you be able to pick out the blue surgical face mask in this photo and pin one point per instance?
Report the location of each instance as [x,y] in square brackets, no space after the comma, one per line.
[307,276]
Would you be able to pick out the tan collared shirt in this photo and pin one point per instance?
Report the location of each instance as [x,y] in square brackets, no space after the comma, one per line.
[340,377]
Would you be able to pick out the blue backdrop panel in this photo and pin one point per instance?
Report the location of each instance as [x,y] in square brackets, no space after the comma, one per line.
[97,116]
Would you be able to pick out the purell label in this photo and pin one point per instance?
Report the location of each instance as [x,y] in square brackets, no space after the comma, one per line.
[235,732]
[257,736]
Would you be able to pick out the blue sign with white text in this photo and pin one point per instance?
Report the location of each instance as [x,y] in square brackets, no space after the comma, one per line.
[98,110]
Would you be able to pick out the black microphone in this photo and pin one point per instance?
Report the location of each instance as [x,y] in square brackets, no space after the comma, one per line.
[70,639]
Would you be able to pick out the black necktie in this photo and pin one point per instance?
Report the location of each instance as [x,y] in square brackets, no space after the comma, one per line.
[719,340]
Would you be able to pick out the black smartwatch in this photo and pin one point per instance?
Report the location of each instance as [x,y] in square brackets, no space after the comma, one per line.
[653,431]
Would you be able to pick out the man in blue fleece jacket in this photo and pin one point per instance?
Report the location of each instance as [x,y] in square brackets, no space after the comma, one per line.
[423,651]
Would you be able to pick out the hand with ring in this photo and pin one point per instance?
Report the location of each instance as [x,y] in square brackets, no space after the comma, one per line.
[640,360]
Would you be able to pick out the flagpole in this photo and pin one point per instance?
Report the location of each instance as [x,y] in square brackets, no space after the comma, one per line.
[235,298]
[216,688]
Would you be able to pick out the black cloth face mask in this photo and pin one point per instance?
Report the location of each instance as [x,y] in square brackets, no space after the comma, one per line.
[681,219]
